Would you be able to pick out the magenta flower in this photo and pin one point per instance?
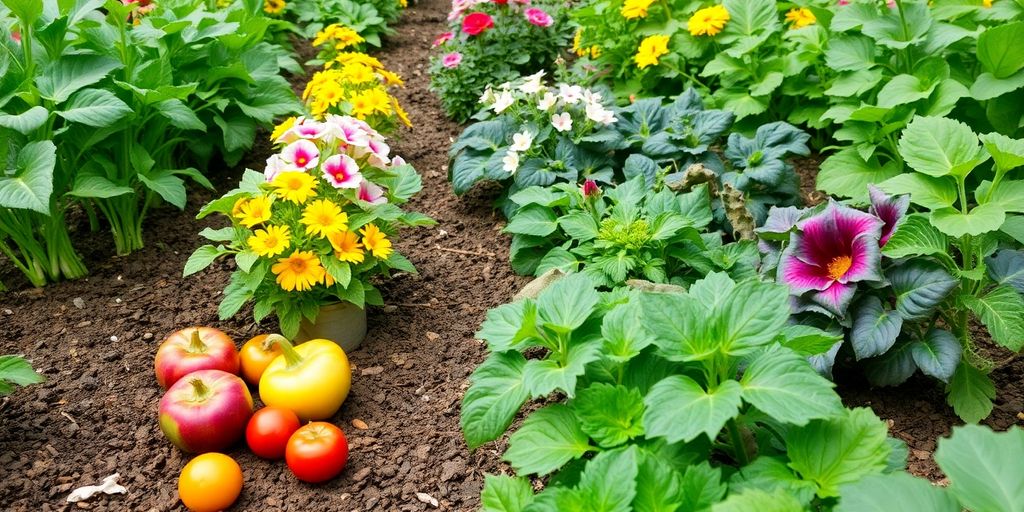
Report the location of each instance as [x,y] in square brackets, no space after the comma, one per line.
[302,153]
[829,253]
[451,60]
[538,17]
[442,39]
[890,209]
[590,189]
[342,171]
[371,193]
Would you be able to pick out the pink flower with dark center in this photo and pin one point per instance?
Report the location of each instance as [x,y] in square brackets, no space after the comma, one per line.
[302,153]
[538,17]
[277,165]
[342,171]
[379,152]
[890,209]
[829,253]
[590,189]
[308,129]
[442,39]
[371,193]
[451,60]
[345,131]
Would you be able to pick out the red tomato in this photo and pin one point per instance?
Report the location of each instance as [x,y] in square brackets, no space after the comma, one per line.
[269,430]
[317,452]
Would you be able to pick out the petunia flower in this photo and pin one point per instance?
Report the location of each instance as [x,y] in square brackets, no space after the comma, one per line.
[342,171]
[522,141]
[502,101]
[547,102]
[510,162]
[451,60]
[442,39]
[302,153]
[538,17]
[562,122]
[532,84]
[831,252]
[371,193]
[890,209]
[309,129]
[571,94]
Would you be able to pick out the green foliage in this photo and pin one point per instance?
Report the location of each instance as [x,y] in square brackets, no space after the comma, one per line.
[16,371]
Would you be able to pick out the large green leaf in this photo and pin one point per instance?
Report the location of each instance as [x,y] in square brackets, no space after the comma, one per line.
[201,258]
[680,326]
[761,501]
[1002,312]
[999,49]
[168,186]
[1006,152]
[783,385]
[679,409]
[928,191]
[610,415]
[939,146]
[542,376]
[752,315]
[658,488]
[25,122]
[180,115]
[31,184]
[549,438]
[846,174]
[896,492]
[769,473]
[504,493]
[920,286]
[984,218]
[87,185]
[839,450]
[937,354]
[915,236]
[533,220]
[95,107]
[608,484]
[970,392]
[567,303]
[875,328]
[70,73]
[495,396]
[984,468]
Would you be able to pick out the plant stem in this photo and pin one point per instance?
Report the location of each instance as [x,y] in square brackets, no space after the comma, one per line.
[291,356]
[739,449]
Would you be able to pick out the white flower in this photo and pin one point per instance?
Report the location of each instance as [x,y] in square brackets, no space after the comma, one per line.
[562,122]
[532,84]
[547,102]
[487,98]
[511,162]
[598,114]
[572,94]
[591,97]
[502,102]
[522,141]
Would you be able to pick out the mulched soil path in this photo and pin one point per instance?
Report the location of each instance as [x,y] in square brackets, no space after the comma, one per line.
[94,339]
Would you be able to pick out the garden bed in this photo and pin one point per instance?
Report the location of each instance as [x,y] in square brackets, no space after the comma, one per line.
[94,340]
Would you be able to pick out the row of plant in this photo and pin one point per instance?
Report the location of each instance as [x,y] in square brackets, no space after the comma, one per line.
[667,358]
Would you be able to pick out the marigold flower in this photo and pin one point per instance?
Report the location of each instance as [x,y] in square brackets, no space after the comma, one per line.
[708,21]
[270,241]
[295,186]
[273,6]
[254,211]
[651,48]
[376,241]
[633,9]
[324,218]
[800,18]
[300,271]
[347,247]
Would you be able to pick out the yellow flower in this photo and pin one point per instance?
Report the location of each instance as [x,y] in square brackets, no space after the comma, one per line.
[280,129]
[376,241]
[347,247]
[391,78]
[325,34]
[300,271]
[800,18]
[236,209]
[986,4]
[650,49]
[324,218]
[403,116]
[273,6]
[295,186]
[708,21]
[357,57]
[595,51]
[357,73]
[254,211]
[576,40]
[403,3]
[271,241]
[633,9]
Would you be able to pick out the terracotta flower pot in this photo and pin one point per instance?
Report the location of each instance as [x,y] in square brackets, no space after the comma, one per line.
[343,323]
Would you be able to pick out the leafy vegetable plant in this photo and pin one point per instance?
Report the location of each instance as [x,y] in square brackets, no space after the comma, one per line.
[16,371]
[625,232]
[672,401]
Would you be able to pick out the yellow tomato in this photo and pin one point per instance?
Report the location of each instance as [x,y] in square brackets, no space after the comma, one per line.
[210,482]
[311,379]
[256,355]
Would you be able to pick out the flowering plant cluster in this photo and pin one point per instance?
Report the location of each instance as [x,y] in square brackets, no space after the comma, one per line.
[532,133]
[317,225]
[492,41]
[369,19]
[356,84]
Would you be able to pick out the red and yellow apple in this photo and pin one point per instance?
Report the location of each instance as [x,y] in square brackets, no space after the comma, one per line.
[192,349]
[206,411]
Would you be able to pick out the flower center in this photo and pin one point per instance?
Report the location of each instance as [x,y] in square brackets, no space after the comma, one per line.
[298,265]
[838,267]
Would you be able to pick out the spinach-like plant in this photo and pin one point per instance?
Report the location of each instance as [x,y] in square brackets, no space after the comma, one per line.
[972,459]
[623,232]
[366,18]
[672,401]
[16,371]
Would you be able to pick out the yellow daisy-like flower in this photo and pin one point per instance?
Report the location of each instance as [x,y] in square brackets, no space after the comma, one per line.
[403,116]
[273,6]
[347,247]
[270,241]
[595,51]
[391,78]
[294,186]
[357,73]
[633,9]
[327,33]
[358,57]
[651,48]
[324,218]
[236,209]
[280,129]
[403,3]
[376,241]
[347,37]
[986,4]
[301,271]
[254,211]
[708,21]
[800,18]
[576,40]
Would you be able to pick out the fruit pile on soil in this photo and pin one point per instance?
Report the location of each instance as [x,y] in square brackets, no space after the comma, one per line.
[95,339]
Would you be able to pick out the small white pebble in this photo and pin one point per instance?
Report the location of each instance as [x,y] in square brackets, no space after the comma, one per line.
[118,278]
[78,302]
[118,300]
[8,311]
[113,338]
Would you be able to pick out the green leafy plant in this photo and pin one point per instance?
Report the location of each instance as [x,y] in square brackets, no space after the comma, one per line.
[16,371]
[626,232]
[972,459]
[366,18]
[657,413]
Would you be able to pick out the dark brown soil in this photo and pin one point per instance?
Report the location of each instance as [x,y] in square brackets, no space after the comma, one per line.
[96,414]
[94,340]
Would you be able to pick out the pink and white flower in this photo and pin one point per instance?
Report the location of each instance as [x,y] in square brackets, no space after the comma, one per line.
[398,161]
[302,153]
[547,102]
[379,152]
[276,165]
[451,60]
[347,131]
[521,141]
[562,122]
[571,94]
[371,193]
[538,17]
[309,129]
[598,114]
[342,171]
[443,38]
